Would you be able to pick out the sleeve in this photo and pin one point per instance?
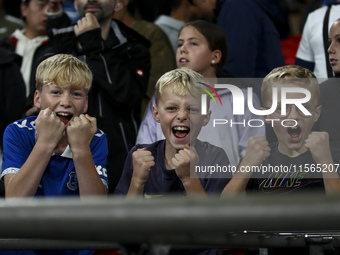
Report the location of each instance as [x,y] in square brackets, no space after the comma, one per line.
[147,132]
[125,179]
[122,73]
[305,50]
[99,151]
[246,131]
[16,149]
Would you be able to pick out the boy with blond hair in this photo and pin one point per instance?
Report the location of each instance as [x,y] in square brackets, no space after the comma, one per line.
[169,166]
[60,152]
[301,160]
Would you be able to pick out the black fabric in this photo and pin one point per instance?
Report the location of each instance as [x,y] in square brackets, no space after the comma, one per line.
[325,41]
[12,94]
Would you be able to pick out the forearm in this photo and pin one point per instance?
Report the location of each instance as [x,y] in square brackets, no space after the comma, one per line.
[25,183]
[90,183]
[193,187]
[136,189]
[238,184]
[331,178]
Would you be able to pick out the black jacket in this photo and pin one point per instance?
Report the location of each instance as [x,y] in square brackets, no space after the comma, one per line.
[12,90]
[120,67]
[12,94]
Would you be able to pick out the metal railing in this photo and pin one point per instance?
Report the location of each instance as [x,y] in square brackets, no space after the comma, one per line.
[110,223]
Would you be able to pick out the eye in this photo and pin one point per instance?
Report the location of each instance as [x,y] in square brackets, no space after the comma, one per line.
[171,108]
[194,110]
[179,45]
[77,94]
[55,92]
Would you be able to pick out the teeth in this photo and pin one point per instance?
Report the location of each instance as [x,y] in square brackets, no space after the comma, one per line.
[295,127]
[63,114]
[183,60]
[181,128]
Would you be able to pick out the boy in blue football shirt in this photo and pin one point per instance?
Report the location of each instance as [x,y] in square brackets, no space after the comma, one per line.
[60,152]
[169,166]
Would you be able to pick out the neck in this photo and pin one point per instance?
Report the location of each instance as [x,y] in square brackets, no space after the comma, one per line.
[105,29]
[169,155]
[181,14]
[32,34]
[61,146]
[126,18]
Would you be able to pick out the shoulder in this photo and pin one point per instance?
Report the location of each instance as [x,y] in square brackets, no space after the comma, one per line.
[206,149]
[26,124]
[131,35]
[21,130]
[320,12]
[155,148]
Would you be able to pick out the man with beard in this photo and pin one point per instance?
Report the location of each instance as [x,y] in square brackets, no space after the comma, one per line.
[120,61]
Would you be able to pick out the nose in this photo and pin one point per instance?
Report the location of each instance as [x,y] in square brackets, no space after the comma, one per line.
[330,49]
[183,49]
[293,114]
[182,115]
[65,100]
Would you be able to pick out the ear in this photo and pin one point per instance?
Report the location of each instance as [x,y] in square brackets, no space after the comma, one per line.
[120,4]
[206,118]
[155,113]
[23,9]
[75,5]
[37,98]
[216,57]
[265,117]
[317,113]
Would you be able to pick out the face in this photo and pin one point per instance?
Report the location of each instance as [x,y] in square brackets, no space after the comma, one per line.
[193,52]
[35,15]
[101,9]
[334,47]
[292,139]
[65,102]
[180,118]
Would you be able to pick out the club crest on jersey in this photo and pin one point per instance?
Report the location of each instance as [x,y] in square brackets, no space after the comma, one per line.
[73,181]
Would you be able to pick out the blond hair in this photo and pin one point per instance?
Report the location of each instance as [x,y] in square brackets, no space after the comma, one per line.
[291,74]
[63,70]
[181,81]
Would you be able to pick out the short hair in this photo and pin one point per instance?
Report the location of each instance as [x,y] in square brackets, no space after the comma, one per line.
[181,80]
[292,74]
[215,37]
[64,70]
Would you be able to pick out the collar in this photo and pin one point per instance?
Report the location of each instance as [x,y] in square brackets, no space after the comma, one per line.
[67,152]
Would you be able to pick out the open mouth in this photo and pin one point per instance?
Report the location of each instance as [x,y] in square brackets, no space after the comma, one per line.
[183,60]
[295,133]
[64,117]
[180,132]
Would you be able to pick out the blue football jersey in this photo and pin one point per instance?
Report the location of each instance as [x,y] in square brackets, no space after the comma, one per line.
[59,178]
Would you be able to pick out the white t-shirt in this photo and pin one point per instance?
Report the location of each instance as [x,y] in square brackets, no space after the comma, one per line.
[311,47]
[26,48]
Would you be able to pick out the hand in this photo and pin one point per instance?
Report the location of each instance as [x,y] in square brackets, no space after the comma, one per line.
[142,161]
[32,111]
[183,160]
[87,23]
[318,144]
[80,131]
[257,151]
[50,128]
